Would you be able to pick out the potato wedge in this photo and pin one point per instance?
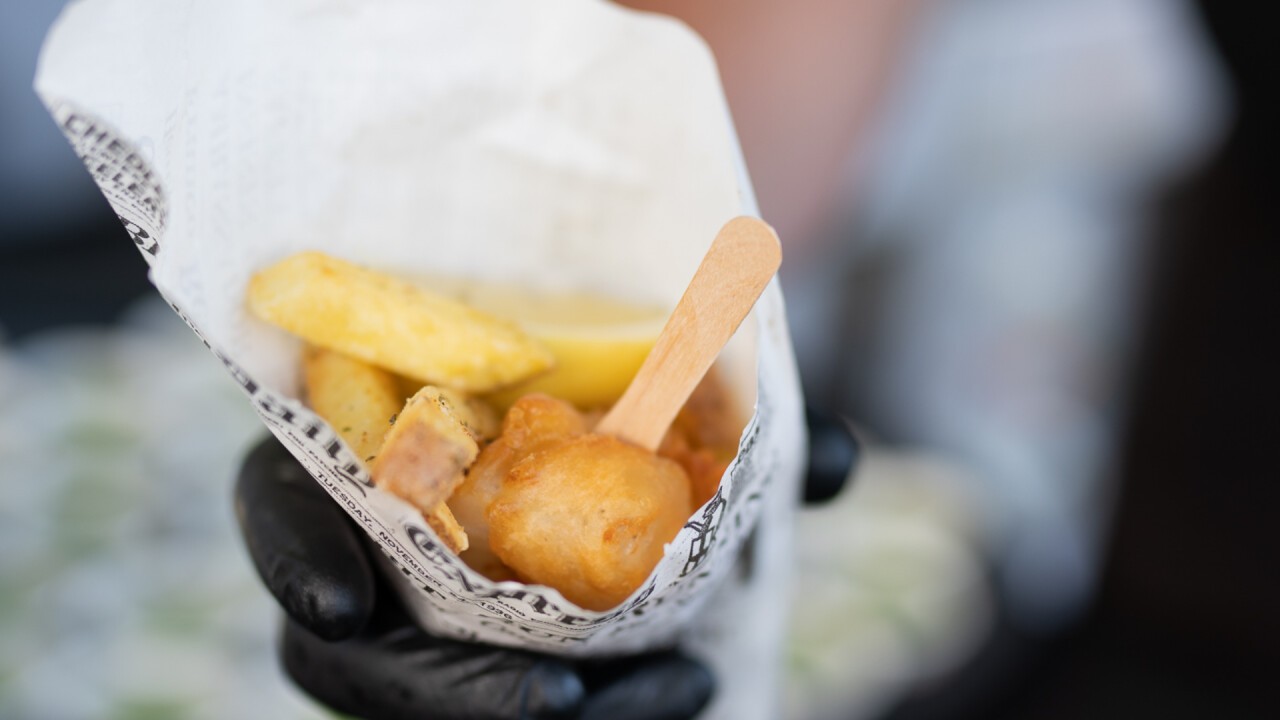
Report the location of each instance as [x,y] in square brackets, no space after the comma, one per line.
[393,324]
[447,528]
[360,401]
[427,451]
[480,417]
[356,398]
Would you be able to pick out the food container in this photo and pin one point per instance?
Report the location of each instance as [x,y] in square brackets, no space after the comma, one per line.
[559,145]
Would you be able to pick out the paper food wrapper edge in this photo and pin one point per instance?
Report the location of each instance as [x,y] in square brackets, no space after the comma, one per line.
[590,144]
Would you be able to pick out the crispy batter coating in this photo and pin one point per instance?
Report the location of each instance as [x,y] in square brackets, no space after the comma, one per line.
[589,516]
[534,421]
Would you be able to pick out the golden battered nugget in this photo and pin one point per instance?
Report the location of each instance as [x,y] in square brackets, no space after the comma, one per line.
[534,421]
[589,516]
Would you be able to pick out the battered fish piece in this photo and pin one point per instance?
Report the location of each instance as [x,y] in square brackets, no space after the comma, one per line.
[702,441]
[533,422]
[589,516]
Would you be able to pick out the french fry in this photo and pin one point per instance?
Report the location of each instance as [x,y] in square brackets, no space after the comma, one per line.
[447,528]
[426,454]
[360,401]
[393,324]
[480,418]
[356,398]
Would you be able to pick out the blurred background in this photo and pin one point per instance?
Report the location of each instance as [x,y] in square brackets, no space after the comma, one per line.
[1030,251]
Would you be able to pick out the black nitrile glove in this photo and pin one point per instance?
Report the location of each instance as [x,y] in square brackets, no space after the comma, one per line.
[349,644]
[834,452]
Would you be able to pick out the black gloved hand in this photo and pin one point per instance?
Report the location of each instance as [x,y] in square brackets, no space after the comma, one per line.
[834,452]
[349,644]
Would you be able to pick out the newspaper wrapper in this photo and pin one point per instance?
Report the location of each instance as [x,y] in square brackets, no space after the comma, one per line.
[558,145]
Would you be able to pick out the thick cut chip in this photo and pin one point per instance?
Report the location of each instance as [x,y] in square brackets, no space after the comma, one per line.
[393,324]
[426,453]
[481,419]
[356,398]
[447,528]
[360,401]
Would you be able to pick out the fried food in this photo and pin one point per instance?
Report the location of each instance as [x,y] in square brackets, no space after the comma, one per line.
[361,401]
[447,528]
[589,516]
[537,496]
[480,418]
[704,436]
[393,324]
[704,466]
[545,504]
[426,454]
[533,422]
[356,398]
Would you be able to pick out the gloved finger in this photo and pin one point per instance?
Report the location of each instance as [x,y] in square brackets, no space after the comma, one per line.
[834,452]
[666,686]
[302,544]
[393,671]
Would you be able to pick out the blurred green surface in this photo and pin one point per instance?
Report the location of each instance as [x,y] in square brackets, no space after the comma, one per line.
[124,591]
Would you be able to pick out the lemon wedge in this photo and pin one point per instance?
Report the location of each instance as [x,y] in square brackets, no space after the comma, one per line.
[598,343]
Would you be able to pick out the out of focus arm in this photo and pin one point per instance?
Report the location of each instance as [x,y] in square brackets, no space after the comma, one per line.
[803,81]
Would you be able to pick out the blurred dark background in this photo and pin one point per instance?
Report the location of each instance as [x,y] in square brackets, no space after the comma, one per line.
[1186,623]
[1187,620]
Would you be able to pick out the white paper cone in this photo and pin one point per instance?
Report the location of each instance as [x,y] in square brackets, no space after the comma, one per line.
[562,145]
